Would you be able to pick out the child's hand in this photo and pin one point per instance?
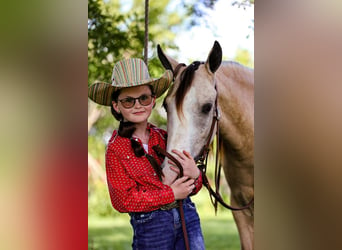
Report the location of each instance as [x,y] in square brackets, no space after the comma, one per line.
[188,163]
[182,187]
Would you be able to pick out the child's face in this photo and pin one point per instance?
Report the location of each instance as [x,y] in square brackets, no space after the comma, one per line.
[138,113]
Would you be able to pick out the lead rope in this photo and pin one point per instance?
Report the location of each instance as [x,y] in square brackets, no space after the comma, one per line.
[146,33]
[160,150]
[202,161]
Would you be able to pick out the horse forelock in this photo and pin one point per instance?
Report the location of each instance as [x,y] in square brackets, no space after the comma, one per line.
[185,83]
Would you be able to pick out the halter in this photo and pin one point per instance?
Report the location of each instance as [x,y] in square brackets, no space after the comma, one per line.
[202,160]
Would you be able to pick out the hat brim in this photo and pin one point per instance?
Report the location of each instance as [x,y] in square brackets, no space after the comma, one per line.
[101,92]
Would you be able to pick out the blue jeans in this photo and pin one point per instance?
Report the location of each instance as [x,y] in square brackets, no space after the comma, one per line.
[162,229]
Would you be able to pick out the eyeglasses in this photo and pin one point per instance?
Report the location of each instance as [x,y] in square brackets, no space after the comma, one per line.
[129,102]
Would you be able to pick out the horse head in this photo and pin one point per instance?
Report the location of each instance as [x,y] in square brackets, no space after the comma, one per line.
[191,102]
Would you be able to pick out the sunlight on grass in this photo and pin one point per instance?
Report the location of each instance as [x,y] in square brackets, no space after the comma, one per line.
[115,233]
[219,231]
[109,233]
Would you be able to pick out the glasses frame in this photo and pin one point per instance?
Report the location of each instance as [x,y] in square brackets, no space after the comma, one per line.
[134,100]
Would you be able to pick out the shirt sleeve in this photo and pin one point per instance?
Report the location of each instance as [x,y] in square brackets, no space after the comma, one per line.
[129,196]
[198,184]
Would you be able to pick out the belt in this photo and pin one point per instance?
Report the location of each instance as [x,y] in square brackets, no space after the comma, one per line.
[169,206]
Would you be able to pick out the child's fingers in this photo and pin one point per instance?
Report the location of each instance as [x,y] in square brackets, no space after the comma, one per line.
[187,154]
[181,180]
[178,153]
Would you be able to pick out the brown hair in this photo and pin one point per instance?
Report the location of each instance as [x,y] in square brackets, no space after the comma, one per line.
[115,96]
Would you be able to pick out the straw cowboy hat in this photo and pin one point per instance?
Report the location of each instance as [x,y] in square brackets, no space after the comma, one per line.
[128,73]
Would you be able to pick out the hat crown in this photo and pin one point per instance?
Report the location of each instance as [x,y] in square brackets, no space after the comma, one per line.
[130,72]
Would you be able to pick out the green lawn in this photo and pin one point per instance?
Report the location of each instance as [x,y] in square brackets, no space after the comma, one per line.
[115,233]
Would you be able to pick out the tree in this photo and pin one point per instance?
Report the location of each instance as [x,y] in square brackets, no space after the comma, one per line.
[196,9]
[114,34]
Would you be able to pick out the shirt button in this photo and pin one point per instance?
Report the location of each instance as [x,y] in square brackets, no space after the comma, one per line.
[127,157]
[154,174]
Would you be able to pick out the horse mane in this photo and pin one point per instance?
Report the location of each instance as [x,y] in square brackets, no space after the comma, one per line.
[185,84]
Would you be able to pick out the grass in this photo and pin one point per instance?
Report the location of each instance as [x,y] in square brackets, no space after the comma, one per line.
[115,233]
[109,233]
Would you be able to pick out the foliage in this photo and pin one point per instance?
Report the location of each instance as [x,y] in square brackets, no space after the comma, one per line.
[106,40]
[242,56]
[99,200]
[243,3]
[197,9]
[114,34]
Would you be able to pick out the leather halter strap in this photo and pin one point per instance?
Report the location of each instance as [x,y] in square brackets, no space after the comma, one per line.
[205,150]
[202,159]
[175,72]
[162,151]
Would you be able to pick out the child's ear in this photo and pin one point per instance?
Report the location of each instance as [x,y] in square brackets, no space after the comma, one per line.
[116,107]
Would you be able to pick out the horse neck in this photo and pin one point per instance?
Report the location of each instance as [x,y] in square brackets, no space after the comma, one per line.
[236,103]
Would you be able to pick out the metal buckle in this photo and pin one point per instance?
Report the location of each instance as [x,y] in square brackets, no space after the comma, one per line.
[218,114]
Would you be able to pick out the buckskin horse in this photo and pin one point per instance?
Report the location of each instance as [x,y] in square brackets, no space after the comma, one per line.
[200,92]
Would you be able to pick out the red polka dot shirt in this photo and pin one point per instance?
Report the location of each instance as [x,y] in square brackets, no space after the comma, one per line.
[132,182]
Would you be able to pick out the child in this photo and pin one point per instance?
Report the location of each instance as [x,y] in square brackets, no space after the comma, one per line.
[134,175]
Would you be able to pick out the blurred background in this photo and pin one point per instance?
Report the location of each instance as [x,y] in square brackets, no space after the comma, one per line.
[186,30]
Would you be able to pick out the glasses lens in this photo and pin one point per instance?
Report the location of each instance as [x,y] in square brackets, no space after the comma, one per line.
[128,102]
[145,100]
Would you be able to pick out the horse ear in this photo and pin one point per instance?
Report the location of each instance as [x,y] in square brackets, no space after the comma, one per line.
[214,58]
[167,62]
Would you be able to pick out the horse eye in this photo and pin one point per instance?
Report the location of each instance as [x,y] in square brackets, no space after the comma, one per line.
[206,108]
